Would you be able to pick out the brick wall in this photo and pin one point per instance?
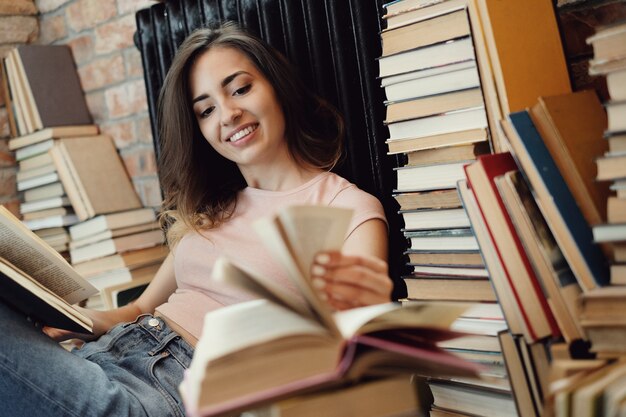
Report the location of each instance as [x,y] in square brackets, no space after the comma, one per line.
[100,33]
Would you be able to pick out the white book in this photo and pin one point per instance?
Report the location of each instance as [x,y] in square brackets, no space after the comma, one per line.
[47,222]
[447,243]
[428,57]
[54,189]
[435,219]
[415,84]
[24,174]
[429,177]
[37,181]
[32,150]
[44,204]
[454,121]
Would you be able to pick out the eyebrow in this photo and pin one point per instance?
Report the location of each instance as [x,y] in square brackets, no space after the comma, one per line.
[224,83]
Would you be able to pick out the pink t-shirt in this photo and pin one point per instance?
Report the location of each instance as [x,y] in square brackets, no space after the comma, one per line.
[236,239]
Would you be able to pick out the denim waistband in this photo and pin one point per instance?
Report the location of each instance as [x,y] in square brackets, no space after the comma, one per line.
[164,337]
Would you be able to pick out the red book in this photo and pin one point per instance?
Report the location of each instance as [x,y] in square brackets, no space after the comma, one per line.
[521,277]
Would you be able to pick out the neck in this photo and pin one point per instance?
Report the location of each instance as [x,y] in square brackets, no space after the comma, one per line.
[278,177]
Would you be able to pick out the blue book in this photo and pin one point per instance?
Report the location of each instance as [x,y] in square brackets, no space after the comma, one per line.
[564,217]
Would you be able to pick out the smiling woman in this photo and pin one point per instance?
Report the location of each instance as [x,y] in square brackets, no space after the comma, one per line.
[242,139]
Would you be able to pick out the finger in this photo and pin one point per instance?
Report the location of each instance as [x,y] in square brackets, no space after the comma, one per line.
[354,296]
[357,276]
[334,259]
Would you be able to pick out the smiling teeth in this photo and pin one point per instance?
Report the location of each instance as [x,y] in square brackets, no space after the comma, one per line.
[242,133]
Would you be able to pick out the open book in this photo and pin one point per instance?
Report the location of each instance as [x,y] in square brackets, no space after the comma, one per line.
[266,349]
[37,280]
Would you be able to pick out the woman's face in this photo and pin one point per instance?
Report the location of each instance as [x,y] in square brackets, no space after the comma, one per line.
[236,107]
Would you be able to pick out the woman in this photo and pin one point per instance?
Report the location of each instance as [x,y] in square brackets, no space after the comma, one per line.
[242,138]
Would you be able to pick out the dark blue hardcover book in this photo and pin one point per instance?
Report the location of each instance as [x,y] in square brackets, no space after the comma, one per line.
[569,227]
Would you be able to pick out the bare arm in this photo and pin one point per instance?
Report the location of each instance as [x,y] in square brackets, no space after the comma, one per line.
[161,287]
[358,275]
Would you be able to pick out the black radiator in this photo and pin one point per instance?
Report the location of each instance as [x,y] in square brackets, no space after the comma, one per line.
[333,43]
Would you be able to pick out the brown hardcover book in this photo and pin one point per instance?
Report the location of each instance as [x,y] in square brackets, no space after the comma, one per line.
[604,304]
[449,289]
[431,105]
[446,258]
[53,85]
[572,126]
[427,32]
[94,176]
[448,154]
[560,285]
[527,63]
[430,199]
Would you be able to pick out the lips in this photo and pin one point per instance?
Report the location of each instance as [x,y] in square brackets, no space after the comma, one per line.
[240,134]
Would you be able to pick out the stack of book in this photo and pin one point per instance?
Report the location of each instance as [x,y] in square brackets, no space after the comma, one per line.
[437,120]
[45,207]
[610,61]
[436,126]
[117,252]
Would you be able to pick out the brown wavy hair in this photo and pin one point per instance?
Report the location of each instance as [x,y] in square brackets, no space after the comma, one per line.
[200,186]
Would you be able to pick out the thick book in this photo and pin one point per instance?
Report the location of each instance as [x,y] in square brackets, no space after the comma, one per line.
[527,290]
[282,345]
[427,32]
[426,82]
[131,260]
[447,154]
[571,126]
[431,56]
[429,177]
[430,219]
[51,78]
[36,280]
[434,104]
[439,124]
[474,289]
[553,272]
[557,204]
[497,275]
[94,176]
[428,199]
[429,10]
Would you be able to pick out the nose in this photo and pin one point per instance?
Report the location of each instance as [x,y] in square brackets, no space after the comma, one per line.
[230,114]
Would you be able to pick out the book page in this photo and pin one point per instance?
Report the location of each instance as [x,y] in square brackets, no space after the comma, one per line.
[238,326]
[394,316]
[326,231]
[37,259]
[264,287]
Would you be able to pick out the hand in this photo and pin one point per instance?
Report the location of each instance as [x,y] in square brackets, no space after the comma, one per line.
[348,281]
[102,321]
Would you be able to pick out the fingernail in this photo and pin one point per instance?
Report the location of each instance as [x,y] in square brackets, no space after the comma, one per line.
[319,283]
[322,258]
[318,270]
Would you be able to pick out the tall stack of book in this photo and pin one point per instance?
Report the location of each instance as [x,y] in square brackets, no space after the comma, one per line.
[590,387]
[610,61]
[45,207]
[437,120]
[451,71]
[112,221]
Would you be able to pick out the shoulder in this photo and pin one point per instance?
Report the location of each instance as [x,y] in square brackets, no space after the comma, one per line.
[348,195]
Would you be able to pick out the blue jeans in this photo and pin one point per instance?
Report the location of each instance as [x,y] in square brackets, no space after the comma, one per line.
[133,370]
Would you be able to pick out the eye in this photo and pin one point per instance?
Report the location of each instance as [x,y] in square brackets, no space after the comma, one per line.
[243,90]
[207,112]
